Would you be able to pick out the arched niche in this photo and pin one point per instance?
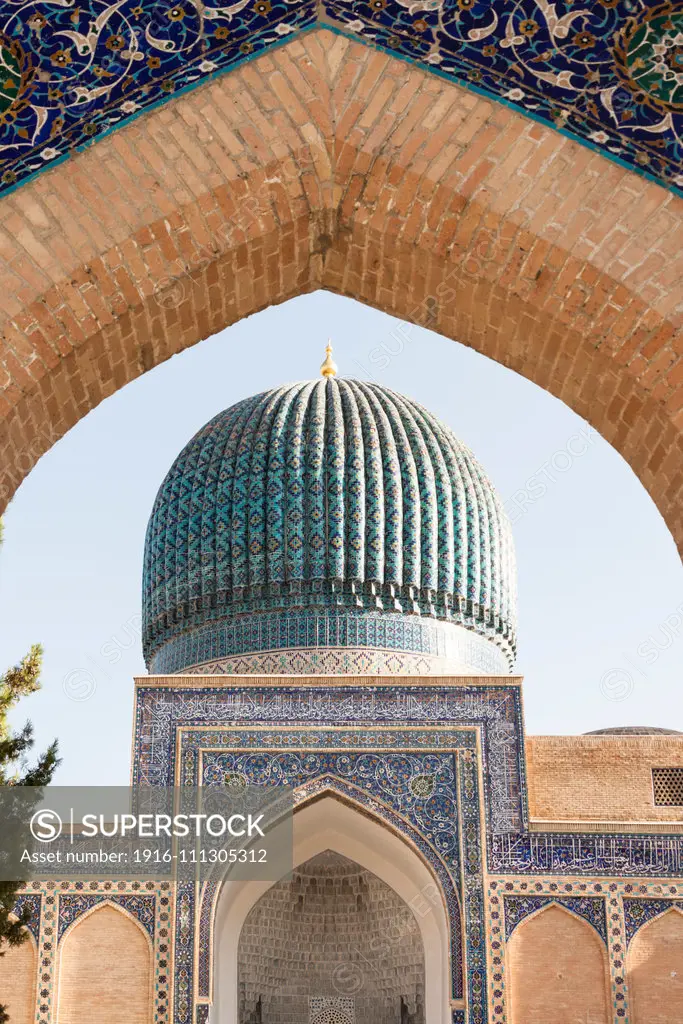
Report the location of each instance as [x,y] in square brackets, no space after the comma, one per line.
[105,969]
[19,981]
[331,942]
[655,971]
[557,970]
[330,824]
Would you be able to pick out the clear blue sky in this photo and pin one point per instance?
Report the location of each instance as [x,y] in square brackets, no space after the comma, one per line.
[600,581]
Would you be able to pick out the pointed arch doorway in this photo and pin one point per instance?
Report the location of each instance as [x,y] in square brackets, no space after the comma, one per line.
[334,831]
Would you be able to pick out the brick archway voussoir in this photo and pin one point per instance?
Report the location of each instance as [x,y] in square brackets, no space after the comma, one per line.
[327,165]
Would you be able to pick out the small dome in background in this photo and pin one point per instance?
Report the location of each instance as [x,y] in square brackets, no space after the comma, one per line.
[328,526]
[634,730]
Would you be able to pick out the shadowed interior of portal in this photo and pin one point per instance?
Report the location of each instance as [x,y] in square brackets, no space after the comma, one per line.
[331,944]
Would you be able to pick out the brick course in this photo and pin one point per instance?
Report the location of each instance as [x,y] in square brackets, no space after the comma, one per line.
[19,981]
[599,778]
[328,165]
[104,971]
[558,971]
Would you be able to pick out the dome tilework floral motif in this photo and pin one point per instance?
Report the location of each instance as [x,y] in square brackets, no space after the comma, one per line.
[334,496]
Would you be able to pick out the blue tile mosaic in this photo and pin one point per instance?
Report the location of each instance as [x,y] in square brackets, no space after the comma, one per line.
[364,643]
[161,713]
[324,513]
[638,912]
[33,904]
[73,906]
[606,72]
[554,853]
[590,908]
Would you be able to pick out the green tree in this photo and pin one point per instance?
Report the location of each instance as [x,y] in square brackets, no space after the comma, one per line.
[15,770]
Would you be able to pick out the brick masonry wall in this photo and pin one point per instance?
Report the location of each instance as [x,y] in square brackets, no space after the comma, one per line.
[328,165]
[655,971]
[18,982]
[104,971]
[333,930]
[599,778]
[558,972]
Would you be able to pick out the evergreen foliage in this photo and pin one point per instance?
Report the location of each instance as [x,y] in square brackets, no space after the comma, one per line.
[15,770]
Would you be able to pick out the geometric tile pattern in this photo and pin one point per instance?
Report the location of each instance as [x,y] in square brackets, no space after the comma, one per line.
[336,498]
[335,661]
[307,643]
[56,905]
[606,72]
[323,1010]
[667,784]
[617,897]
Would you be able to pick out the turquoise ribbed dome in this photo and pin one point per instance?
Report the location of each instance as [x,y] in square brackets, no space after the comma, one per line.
[327,515]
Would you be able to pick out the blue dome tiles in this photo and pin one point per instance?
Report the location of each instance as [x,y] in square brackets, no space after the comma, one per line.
[324,498]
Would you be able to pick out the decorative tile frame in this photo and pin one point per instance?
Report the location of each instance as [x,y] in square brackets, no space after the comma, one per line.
[590,908]
[407,817]
[59,905]
[73,906]
[208,730]
[73,75]
[614,895]
[493,704]
[186,725]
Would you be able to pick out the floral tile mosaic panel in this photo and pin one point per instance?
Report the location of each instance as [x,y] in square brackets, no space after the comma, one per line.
[606,72]
[73,72]
[609,72]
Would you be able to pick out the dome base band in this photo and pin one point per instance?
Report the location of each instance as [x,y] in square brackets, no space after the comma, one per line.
[370,643]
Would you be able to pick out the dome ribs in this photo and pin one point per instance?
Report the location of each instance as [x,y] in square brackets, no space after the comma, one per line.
[355,486]
[335,482]
[320,515]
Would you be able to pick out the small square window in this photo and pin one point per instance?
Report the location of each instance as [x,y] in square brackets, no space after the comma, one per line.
[667,784]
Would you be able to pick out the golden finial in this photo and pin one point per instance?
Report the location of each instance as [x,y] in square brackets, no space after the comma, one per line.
[329,368]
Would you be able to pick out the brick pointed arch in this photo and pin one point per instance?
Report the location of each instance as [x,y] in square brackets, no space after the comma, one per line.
[105,968]
[327,165]
[653,969]
[546,955]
